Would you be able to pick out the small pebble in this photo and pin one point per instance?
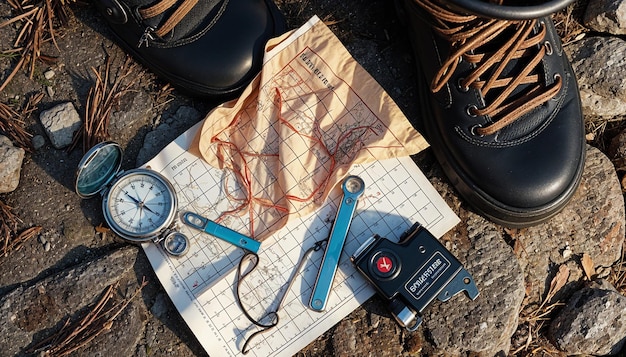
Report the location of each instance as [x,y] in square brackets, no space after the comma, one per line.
[38,142]
[567,253]
[375,320]
[49,74]
[46,246]
[50,91]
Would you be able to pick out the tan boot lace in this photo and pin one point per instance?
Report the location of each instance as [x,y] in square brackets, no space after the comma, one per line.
[160,7]
[467,34]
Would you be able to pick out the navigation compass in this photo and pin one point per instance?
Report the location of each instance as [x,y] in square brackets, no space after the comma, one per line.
[139,205]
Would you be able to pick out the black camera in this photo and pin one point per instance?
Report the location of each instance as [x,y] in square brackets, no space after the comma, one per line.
[410,274]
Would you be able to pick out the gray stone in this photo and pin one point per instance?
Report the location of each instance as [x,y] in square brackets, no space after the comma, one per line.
[49,74]
[357,333]
[60,123]
[592,322]
[151,144]
[166,132]
[50,91]
[160,306]
[38,142]
[606,16]
[600,66]
[134,109]
[183,116]
[30,314]
[11,158]
[592,223]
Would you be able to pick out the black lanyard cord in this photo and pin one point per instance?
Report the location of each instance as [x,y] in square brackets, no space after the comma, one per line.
[285,288]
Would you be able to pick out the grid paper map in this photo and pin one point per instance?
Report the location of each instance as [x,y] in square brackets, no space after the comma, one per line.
[201,283]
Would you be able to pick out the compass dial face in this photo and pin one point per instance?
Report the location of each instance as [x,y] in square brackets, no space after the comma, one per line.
[140,205]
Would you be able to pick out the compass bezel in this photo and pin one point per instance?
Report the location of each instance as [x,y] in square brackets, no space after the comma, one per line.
[148,234]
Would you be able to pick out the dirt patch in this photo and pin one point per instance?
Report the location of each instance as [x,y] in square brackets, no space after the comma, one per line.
[37,313]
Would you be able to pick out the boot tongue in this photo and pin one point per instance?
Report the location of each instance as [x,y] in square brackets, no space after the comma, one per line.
[199,17]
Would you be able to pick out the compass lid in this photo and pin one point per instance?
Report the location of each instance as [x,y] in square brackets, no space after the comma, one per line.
[98,168]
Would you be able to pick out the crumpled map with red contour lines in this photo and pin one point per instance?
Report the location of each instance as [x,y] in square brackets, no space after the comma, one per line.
[293,134]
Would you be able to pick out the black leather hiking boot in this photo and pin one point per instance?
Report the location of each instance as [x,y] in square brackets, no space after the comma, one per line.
[209,48]
[500,105]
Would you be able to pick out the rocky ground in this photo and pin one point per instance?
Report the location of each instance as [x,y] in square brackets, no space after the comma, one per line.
[537,294]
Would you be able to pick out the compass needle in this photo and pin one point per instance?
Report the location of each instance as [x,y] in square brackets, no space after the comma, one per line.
[136,201]
[148,208]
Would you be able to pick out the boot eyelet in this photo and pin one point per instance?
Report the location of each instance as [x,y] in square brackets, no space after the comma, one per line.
[461,87]
[548,47]
[474,130]
[471,110]
[556,77]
